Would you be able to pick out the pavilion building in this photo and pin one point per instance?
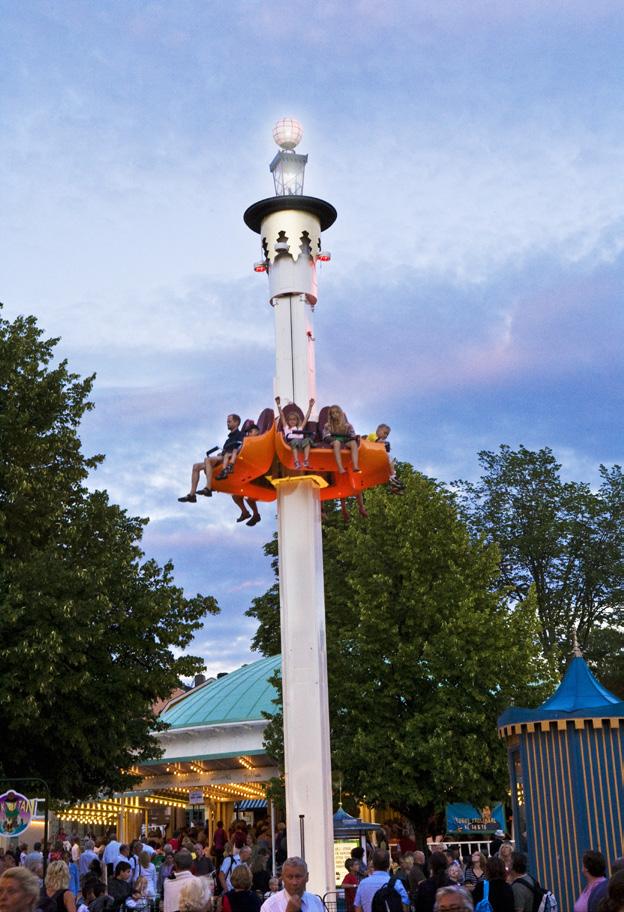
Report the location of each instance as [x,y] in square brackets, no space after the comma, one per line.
[214,765]
[565,764]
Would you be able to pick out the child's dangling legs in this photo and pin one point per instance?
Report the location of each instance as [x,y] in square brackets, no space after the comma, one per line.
[352,445]
[336,446]
[306,454]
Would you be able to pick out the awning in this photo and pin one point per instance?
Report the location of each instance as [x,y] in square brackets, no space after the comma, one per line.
[251,804]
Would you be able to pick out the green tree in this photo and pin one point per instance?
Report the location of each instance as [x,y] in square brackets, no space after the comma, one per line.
[91,633]
[559,539]
[424,653]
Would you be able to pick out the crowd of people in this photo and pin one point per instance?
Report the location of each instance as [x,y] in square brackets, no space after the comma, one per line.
[187,873]
[445,881]
[232,872]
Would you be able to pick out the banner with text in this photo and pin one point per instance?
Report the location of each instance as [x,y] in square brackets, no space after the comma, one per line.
[465,818]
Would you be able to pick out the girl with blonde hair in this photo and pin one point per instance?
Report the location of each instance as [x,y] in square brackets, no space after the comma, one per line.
[339,435]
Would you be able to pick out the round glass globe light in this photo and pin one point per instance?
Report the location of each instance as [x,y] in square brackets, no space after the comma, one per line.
[287,132]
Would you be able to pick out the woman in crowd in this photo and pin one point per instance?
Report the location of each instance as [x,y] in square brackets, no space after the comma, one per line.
[56,888]
[147,869]
[19,890]
[166,868]
[427,889]
[241,898]
[504,853]
[501,895]
[475,872]
[259,869]
[193,897]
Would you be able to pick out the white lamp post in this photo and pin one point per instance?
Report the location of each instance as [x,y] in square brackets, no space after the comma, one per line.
[290,226]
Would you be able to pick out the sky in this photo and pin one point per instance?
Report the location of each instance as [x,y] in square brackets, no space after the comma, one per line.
[474,150]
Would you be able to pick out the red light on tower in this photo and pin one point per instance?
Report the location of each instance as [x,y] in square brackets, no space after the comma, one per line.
[260,267]
[324,256]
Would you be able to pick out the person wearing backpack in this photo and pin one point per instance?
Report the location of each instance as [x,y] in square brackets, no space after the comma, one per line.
[379,892]
[522,884]
[501,897]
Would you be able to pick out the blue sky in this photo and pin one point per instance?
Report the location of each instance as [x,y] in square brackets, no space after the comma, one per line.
[474,152]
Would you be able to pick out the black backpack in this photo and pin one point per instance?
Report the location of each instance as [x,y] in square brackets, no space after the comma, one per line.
[387,899]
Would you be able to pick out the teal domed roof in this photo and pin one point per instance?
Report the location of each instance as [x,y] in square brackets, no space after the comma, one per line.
[240,696]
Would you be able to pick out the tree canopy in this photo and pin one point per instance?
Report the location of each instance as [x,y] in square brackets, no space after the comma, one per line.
[92,634]
[424,653]
[561,540]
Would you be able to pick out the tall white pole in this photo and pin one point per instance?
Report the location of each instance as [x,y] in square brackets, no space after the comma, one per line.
[290,227]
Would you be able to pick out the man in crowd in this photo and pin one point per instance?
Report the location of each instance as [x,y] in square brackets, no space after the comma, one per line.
[241,857]
[294,897]
[111,853]
[34,858]
[380,876]
[453,899]
[87,857]
[600,890]
[522,883]
[182,864]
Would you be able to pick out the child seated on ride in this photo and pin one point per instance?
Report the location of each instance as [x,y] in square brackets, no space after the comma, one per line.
[226,458]
[395,485]
[295,434]
[339,434]
[253,517]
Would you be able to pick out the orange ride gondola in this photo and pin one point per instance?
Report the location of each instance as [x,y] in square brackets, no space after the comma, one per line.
[373,462]
[253,463]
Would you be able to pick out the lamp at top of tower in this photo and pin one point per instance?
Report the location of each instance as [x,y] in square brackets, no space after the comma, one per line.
[288,167]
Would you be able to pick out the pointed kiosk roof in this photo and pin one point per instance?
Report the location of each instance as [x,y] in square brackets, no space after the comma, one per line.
[345,825]
[580,695]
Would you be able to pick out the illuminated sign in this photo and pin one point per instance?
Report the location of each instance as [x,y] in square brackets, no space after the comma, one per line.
[16,812]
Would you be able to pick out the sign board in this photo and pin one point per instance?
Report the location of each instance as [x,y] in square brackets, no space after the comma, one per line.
[342,851]
[196,796]
[465,818]
[16,812]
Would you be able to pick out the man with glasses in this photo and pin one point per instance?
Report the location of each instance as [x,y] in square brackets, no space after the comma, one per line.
[453,899]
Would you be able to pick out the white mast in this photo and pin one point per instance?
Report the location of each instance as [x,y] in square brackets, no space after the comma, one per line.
[290,226]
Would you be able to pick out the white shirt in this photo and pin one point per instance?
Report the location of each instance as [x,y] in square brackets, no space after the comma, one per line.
[234,861]
[277,902]
[111,852]
[172,889]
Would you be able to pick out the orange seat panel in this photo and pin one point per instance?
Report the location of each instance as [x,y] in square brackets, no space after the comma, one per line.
[373,463]
[254,461]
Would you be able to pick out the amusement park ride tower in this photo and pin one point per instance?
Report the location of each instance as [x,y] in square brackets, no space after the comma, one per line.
[290,225]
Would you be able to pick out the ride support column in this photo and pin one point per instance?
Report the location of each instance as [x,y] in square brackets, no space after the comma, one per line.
[304,681]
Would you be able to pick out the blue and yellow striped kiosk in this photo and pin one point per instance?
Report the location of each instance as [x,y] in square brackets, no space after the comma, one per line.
[565,763]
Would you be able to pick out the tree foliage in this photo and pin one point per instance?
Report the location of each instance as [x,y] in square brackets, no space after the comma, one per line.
[424,653]
[91,633]
[560,539]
